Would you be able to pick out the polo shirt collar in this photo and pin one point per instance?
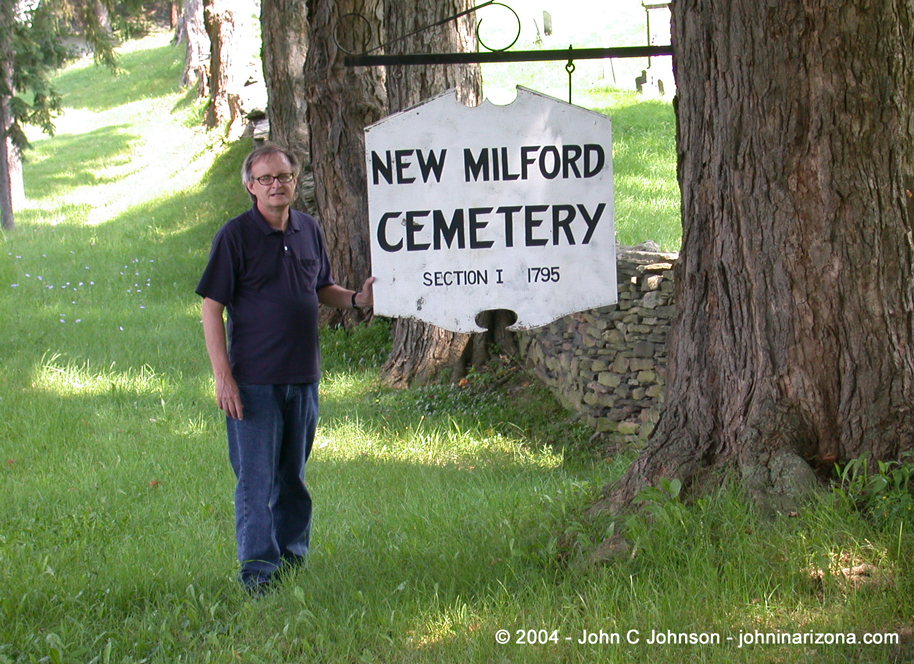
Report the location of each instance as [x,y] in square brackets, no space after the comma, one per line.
[294,225]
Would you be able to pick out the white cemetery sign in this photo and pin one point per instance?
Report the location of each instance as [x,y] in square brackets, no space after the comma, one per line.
[492,207]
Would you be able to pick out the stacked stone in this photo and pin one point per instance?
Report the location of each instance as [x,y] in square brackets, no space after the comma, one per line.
[609,364]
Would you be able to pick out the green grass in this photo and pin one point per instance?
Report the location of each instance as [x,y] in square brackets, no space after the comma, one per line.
[443,514]
[644,170]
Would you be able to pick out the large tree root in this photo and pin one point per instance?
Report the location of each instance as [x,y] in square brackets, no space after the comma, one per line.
[774,474]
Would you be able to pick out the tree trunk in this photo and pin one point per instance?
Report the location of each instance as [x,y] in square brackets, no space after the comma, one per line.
[176,17]
[6,195]
[341,102]
[17,184]
[420,351]
[411,85]
[6,92]
[228,23]
[284,26]
[197,55]
[793,345]
[102,17]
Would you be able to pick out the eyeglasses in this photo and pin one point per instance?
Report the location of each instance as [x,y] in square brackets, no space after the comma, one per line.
[284,178]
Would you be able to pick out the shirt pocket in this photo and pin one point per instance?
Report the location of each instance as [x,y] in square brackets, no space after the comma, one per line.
[306,271]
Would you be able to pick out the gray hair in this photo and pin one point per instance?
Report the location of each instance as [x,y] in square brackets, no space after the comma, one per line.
[262,152]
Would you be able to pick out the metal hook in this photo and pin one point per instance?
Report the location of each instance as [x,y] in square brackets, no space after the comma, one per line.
[570,69]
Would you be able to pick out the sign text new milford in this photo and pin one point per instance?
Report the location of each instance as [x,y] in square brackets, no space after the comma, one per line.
[493,207]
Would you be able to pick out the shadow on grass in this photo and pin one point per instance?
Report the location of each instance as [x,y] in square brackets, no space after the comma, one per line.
[120,318]
[177,229]
[68,161]
[396,545]
[184,224]
[62,214]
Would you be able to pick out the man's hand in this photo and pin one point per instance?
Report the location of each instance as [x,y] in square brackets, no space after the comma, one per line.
[227,395]
[228,398]
[341,298]
[365,297]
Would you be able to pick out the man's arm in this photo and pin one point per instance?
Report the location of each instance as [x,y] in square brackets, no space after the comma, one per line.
[227,396]
[341,298]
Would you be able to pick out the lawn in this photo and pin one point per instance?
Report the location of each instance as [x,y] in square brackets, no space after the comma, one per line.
[443,515]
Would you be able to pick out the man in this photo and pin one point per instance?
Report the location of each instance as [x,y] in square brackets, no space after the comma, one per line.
[268,268]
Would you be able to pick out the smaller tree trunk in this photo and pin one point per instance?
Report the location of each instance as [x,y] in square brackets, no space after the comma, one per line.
[197,56]
[12,156]
[175,10]
[228,26]
[284,25]
[102,18]
[6,195]
[341,101]
[17,184]
[6,198]
[421,351]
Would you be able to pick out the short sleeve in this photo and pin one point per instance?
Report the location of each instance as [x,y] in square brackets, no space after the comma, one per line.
[218,280]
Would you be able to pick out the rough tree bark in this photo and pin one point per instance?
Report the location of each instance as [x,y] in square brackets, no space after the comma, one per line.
[411,85]
[420,351]
[176,10]
[341,102]
[793,345]
[197,53]
[6,92]
[6,191]
[228,23]
[285,30]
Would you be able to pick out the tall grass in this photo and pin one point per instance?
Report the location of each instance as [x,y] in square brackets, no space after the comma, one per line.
[443,514]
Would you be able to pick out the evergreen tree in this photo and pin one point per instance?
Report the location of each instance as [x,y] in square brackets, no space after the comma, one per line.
[32,48]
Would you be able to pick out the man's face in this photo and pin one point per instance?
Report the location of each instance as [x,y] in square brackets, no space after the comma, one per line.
[276,195]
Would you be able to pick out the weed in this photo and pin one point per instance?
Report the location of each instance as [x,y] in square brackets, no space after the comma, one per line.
[879,490]
[663,502]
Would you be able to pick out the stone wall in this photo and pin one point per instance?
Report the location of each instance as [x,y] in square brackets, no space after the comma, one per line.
[609,364]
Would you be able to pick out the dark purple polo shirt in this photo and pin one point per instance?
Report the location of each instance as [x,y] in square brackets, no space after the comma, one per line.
[268,281]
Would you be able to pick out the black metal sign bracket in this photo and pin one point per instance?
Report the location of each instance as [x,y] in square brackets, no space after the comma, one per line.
[368,57]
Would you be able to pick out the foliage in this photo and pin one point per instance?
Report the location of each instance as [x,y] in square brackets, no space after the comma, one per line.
[37,50]
[39,34]
[881,491]
[646,196]
[664,502]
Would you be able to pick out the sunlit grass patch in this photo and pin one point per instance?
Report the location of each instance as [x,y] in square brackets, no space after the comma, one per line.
[159,162]
[647,205]
[99,165]
[73,378]
[148,68]
[443,443]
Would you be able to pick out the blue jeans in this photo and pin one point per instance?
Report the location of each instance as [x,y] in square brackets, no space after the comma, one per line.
[268,450]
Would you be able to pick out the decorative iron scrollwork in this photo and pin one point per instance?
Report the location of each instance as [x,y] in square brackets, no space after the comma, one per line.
[358,33]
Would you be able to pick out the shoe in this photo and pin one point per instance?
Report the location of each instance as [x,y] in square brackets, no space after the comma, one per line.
[291,561]
[257,584]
